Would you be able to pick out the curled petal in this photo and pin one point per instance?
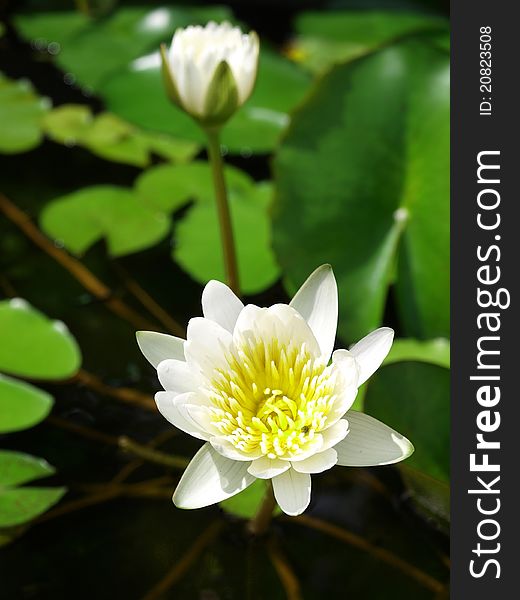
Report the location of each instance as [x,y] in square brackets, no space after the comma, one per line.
[221,305]
[157,347]
[317,303]
[371,351]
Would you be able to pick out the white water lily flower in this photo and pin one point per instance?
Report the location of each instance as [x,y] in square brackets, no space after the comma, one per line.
[259,387]
[211,71]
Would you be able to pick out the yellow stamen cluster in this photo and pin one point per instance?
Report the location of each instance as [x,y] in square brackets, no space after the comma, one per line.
[273,399]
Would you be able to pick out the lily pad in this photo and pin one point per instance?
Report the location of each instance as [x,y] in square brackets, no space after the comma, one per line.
[414,399]
[109,137]
[198,248]
[328,38]
[167,188]
[17,468]
[21,112]
[362,182]
[21,405]
[21,504]
[34,345]
[82,218]
[434,352]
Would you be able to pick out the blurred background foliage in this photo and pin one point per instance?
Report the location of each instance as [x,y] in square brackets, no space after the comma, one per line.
[108,225]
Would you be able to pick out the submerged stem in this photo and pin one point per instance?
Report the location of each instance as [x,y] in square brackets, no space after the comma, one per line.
[224,216]
[261,521]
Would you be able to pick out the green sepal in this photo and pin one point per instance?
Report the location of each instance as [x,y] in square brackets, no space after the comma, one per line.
[221,98]
[169,81]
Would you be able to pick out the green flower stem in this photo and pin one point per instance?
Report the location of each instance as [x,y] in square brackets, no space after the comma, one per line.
[226,228]
[259,524]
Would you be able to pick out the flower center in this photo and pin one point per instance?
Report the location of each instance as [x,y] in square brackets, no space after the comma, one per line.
[273,399]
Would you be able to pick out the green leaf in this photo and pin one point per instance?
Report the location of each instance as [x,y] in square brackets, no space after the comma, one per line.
[35,346]
[17,468]
[68,124]
[21,405]
[414,399]
[109,137]
[93,49]
[169,148]
[137,94]
[20,505]
[362,182]
[21,111]
[434,352]
[431,496]
[82,218]
[366,27]
[167,188]
[198,248]
[246,504]
[327,38]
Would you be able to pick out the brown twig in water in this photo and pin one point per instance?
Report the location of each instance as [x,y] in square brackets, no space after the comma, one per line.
[100,493]
[80,503]
[150,303]
[83,431]
[357,541]
[180,568]
[150,455]
[145,453]
[289,581]
[132,466]
[125,394]
[76,268]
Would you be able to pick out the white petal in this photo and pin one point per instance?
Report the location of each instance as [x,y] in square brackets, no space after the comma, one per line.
[220,304]
[317,302]
[160,346]
[348,388]
[267,468]
[370,442]
[292,491]
[207,346]
[176,376]
[210,478]
[226,448]
[317,463]
[371,351]
[172,407]
[347,364]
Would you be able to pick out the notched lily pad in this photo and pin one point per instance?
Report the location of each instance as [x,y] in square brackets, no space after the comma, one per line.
[21,504]
[116,214]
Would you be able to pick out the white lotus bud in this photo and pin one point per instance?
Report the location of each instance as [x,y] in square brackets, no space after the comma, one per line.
[210,71]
